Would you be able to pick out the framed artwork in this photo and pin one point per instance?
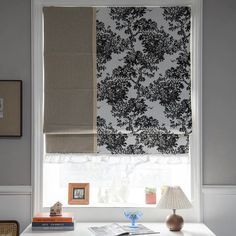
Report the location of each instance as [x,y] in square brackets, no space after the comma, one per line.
[78,193]
[10,108]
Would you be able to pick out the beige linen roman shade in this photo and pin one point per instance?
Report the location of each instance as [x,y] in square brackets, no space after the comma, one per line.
[70,79]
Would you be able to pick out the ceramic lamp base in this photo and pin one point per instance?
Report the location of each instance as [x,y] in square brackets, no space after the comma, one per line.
[174,222]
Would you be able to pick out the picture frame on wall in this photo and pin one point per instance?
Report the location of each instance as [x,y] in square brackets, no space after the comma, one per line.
[78,193]
[10,108]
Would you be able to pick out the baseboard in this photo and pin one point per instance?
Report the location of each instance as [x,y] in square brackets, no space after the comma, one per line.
[219,189]
[16,190]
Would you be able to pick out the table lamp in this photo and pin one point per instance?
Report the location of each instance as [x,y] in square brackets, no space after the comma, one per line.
[174,198]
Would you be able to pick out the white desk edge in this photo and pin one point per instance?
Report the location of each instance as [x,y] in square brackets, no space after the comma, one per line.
[81,229]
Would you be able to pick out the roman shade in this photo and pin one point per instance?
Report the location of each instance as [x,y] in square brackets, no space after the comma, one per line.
[144,80]
[69,84]
[117,80]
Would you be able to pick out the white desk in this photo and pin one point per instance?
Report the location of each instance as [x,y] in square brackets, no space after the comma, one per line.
[81,229]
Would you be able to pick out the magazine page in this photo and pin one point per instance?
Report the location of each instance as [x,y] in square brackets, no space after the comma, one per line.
[140,230]
[108,230]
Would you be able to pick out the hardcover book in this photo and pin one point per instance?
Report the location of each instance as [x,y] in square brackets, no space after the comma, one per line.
[65,228]
[57,226]
[52,224]
[45,217]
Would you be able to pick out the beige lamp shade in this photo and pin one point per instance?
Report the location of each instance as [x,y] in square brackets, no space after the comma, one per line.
[174,198]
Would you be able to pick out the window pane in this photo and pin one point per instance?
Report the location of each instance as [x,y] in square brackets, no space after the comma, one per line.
[114,180]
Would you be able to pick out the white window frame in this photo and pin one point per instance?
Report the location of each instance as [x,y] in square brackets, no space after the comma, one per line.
[112,213]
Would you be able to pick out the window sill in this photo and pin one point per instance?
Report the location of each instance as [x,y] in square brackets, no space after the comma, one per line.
[111,205]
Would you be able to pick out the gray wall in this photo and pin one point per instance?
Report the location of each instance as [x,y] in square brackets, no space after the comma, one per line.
[219,92]
[15,64]
[219,84]
[219,103]
[219,115]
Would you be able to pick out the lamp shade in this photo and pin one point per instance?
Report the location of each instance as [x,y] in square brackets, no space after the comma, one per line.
[174,198]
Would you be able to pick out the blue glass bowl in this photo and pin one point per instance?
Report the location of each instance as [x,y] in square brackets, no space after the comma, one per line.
[133,216]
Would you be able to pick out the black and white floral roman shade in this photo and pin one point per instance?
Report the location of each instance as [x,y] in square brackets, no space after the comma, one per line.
[143,81]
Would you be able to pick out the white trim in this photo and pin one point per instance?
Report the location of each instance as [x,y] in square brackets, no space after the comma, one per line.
[15,190]
[94,3]
[37,98]
[196,145]
[37,86]
[219,189]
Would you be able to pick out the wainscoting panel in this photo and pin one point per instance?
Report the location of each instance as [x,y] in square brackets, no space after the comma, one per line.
[219,205]
[16,204]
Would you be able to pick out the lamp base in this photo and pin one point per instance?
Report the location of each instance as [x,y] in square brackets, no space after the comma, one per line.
[174,222]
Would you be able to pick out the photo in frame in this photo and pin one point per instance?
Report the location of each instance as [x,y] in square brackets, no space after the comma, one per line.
[78,193]
[10,108]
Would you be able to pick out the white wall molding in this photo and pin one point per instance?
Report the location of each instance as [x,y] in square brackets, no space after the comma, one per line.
[219,210]
[15,204]
[15,190]
[219,189]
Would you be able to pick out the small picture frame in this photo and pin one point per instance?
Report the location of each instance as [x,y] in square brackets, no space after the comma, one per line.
[78,193]
[10,108]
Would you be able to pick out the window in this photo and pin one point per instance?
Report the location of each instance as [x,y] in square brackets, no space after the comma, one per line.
[114,181]
[53,171]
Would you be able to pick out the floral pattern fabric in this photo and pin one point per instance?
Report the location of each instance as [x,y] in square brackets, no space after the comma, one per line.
[143,80]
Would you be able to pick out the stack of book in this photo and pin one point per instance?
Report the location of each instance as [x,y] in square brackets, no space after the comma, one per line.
[42,221]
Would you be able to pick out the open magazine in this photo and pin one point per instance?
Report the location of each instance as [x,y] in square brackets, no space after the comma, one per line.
[118,230]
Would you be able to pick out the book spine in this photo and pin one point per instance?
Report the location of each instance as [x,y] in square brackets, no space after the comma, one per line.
[38,219]
[63,228]
[52,224]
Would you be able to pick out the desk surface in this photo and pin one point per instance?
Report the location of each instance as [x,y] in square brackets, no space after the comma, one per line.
[81,229]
